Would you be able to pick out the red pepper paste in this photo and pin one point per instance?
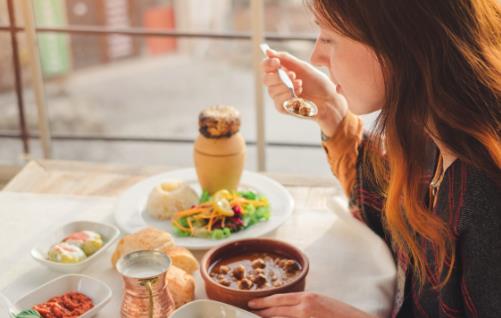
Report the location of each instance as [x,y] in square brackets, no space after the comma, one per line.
[68,305]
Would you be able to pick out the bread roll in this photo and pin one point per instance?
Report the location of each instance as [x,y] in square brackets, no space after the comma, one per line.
[181,286]
[182,258]
[147,239]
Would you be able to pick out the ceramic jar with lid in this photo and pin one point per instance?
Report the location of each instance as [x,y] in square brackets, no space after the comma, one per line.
[219,150]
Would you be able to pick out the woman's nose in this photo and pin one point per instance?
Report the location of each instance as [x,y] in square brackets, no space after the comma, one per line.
[318,56]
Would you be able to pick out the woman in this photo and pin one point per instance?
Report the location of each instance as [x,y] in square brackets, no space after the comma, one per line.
[428,178]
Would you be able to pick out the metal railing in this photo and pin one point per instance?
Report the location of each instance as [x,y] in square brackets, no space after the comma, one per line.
[25,135]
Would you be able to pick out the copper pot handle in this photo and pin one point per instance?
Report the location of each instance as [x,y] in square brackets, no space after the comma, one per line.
[148,284]
[150,295]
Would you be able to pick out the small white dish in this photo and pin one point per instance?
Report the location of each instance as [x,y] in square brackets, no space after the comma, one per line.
[205,308]
[98,291]
[108,232]
[131,216]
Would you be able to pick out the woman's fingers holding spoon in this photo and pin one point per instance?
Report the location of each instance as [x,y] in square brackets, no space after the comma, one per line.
[271,64]
[278,88]
[270,79]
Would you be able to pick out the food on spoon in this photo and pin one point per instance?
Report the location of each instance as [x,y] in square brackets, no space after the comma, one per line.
[168,197]
[299,106]
[88,241]
[69,305]
[66,253]
[255,271]
[222,214]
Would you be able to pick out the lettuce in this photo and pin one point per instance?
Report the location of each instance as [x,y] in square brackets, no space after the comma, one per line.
[263,213]
[249,195]
[205,197]
[219,234]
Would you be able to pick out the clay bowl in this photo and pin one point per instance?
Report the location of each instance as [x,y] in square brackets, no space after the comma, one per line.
[240,298]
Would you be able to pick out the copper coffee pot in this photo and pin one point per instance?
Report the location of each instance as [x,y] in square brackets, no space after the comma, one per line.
[145,289]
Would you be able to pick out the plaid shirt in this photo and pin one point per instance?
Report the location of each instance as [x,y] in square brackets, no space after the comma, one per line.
[470,203]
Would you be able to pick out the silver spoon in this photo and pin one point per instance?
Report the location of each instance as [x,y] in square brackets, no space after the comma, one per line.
[309,109]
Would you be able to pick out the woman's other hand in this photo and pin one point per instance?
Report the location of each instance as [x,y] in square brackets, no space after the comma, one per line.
[304,305]
[309,83]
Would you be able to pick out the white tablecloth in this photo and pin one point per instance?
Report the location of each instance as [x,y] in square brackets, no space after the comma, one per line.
[347,260]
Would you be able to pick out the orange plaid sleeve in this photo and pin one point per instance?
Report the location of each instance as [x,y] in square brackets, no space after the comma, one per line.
[342,150]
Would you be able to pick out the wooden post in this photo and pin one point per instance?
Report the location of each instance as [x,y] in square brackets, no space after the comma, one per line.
[18,81]
[36,77]
[257,8]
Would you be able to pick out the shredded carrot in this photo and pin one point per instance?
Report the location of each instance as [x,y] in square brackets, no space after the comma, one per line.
[201,216]
[191,226]
[222,222]
[189,212]
[211,220]
[176,223]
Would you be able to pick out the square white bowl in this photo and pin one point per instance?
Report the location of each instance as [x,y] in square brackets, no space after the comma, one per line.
[99,292]
[109,233]
[205,308]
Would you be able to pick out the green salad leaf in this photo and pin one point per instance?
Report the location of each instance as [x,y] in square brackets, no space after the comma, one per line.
[181,233]
[205,197]
[30,313]
[249,195]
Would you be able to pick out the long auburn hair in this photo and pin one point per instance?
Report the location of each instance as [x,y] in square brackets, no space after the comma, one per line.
[442,69]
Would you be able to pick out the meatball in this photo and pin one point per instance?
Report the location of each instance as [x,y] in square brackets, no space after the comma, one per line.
[259,271]
[304,110]
[223,269]
[260,280]
[291,266]
[296,105]
[277,283]
[258,263]
[239,272]
[245,283]
[281,262]
[224,282]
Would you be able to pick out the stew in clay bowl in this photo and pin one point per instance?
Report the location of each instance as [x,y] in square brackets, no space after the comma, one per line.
[236,272]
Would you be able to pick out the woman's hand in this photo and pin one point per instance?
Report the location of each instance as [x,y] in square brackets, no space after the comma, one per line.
[309,83]
[304,305]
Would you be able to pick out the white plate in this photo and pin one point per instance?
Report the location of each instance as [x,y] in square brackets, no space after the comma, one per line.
[131,216]
[205,308]
[98,291]
[109,233]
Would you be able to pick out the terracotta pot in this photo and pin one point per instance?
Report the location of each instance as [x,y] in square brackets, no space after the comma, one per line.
[219,162]
[240,298]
